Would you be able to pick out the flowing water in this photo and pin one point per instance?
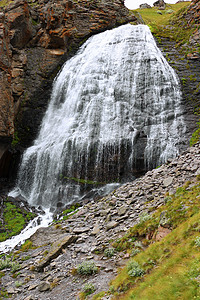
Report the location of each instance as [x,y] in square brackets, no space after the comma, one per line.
[39,221]
[115,109]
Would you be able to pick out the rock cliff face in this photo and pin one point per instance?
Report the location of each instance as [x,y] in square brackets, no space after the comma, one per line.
[36,37]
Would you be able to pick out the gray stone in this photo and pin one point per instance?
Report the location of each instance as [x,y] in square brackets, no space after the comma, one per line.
[81,230]
[95,230]
[44,286]
[32,287]
[11,290]
[111,225]
[55,250]
[122,210]
[167,181]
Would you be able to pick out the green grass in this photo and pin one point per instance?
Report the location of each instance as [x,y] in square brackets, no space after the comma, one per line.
[15,220]
[196,135]
[84,181]
[170,25]
[4,3]
[151,16]
[171,267]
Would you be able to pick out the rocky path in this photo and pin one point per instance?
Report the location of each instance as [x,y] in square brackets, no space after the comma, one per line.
[48,270]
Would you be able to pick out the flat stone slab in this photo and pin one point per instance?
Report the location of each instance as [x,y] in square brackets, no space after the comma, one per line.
[55,250]
[111,225]
[167,181]
[81,230]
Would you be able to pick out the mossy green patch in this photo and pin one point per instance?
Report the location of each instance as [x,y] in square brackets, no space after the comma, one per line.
[84,181]
[15,220]
[4,2]
[196,135]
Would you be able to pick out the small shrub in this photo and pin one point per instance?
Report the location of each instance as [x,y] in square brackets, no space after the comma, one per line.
[197,241]
[169,11]
[144,217]
[15,266]
[89,289]
[87,268]
[134,269]
[135,251]
[138,244]
[18,283]
[5,263]
[26,246]
[109,252]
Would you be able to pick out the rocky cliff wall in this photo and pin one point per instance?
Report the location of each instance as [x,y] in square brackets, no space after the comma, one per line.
[36,37]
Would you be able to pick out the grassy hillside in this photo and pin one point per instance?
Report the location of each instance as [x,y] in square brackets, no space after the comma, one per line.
[167,268]
[169,22]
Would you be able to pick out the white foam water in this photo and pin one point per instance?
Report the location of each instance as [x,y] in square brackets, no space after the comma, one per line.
[39,221]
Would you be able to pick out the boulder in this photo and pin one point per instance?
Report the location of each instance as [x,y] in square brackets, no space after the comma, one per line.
[160,4]
[145,5]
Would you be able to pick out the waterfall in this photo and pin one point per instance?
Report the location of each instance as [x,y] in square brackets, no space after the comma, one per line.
[115,110]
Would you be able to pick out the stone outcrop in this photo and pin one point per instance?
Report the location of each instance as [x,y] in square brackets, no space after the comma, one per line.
[160,4]
[36,37]
[145,5]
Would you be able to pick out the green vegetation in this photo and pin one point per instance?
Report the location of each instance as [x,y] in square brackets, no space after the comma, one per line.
[98,296]
[7,263]
[16,139]
[171,267]
[26,246]
[196,135]
[134,269]
[84,181]
[87,268]
[15,220]
[67,213]
[4,3]
[109,252]
[169,22]
[88,289]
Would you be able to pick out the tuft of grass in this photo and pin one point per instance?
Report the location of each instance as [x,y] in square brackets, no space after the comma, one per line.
[26,246]
[87,268]
[88,289]
[134,269]
[4,3]
[109,252]
[6,262]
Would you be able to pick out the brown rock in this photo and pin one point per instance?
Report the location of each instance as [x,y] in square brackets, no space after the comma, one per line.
[161,233]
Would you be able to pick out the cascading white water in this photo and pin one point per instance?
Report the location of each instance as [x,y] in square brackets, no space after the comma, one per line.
[115,108]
